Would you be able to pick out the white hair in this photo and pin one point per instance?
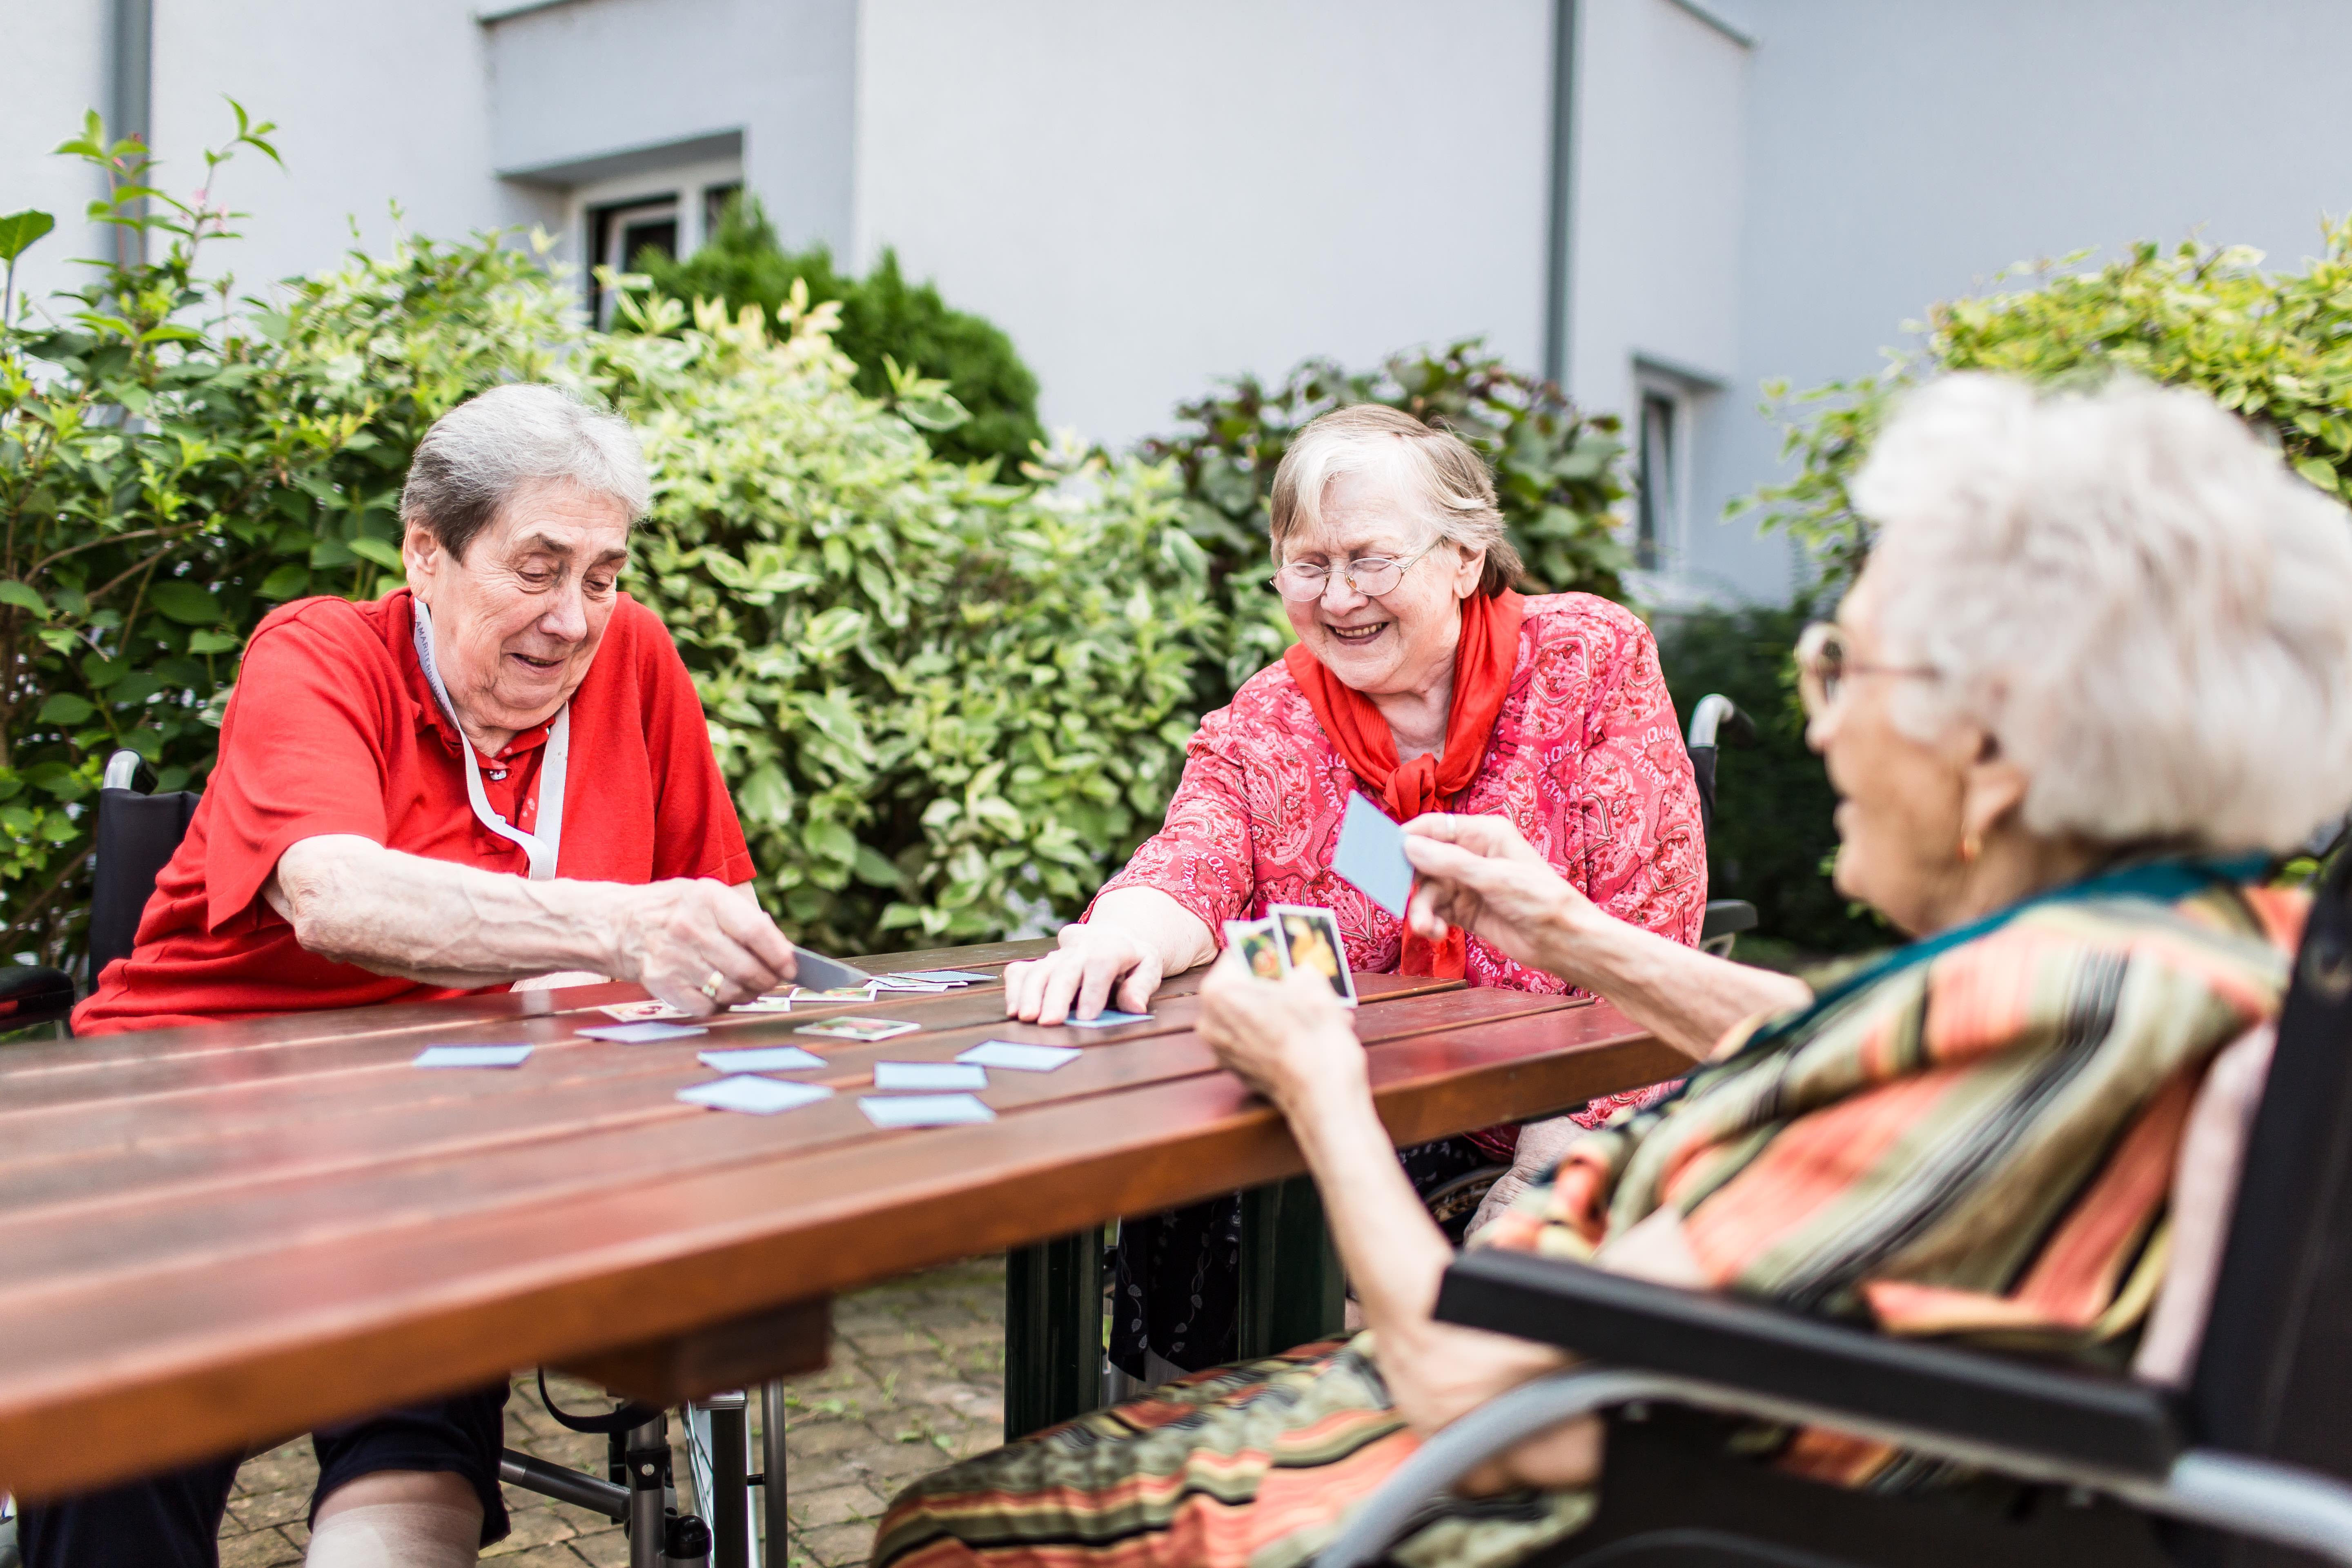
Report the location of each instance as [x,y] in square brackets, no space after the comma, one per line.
[498,443]
[2132,593]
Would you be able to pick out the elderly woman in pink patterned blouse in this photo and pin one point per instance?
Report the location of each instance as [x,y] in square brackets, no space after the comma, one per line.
[1422,681]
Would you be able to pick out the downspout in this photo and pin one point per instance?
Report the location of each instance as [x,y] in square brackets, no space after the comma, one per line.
[1560,230]
[129,99]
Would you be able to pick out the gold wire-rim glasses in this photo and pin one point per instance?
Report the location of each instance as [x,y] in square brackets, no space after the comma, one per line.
[1822,668]
[1358,574]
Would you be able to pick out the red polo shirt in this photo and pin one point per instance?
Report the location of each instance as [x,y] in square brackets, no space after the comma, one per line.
[332,729]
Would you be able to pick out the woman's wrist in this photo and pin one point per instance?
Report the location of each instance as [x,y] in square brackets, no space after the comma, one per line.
[1326,1077]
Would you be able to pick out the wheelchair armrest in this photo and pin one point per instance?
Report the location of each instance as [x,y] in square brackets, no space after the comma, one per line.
[31,995]
[2009,1403]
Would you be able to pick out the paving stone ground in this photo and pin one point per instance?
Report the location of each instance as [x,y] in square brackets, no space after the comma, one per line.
[917,1380]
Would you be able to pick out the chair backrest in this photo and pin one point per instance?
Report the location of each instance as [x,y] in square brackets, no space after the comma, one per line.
[137,835]
[2274,1376]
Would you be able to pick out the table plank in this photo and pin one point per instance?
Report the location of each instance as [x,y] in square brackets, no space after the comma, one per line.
[197,1358]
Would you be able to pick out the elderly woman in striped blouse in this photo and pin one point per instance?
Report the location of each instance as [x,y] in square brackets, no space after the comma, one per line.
[2098,668]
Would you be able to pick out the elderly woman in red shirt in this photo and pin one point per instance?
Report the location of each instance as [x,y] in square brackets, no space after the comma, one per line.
[387,821]
[1422,680]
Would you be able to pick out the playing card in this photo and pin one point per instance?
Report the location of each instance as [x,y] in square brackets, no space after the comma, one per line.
[924,1110]
[1109,1017]
[643,1033]
[1370,856]
[641,1011]
[900,983]
[817,972]
[756,1096]
[844,994]
[866,1030]
[472,1056]
[1310,939]
[1260,948]
[764,1004]
[950,976]
[760,1058]
[1017,1056]
[928,1075]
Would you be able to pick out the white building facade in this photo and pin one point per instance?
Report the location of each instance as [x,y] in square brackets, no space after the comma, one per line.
[1663,203]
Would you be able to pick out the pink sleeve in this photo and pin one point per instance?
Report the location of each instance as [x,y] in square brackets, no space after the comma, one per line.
[1645,857]
[1202,855]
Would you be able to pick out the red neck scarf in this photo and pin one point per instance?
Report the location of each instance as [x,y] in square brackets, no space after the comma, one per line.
[1483,662]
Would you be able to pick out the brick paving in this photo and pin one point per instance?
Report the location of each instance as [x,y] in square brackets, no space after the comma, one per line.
[917,1379]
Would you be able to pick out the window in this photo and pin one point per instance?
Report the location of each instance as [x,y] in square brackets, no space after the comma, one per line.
[619,234]
[714,204]
[1658,512]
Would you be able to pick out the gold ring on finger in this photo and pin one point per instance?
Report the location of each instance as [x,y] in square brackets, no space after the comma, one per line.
[711,986]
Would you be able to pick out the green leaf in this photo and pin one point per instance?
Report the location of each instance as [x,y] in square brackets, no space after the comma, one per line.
[65,707]
[376,551]
[291,581]
[19,230]
[185,603]
[23,598]
[831,841]
[209,641]
[2318,472]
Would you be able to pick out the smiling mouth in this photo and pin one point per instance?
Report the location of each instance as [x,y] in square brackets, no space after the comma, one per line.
[1355,636]
[539,664]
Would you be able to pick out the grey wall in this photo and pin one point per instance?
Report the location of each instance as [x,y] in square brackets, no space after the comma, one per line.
[1148,196]
[572,82]
[1902,154]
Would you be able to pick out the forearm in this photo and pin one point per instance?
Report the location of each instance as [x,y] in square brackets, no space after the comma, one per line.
[1393,1251]
[1178,936]
[436,922]
[1687,998]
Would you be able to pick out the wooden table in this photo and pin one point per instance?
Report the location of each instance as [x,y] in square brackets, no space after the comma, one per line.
[217,1237]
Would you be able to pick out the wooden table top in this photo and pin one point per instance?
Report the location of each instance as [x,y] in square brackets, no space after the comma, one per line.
[220,1236]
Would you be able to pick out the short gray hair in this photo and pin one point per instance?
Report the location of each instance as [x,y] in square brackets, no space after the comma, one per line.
[499,443]
[2133,594]
[1442,476]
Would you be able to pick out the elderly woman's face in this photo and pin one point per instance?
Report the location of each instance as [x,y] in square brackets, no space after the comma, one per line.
[516,623]
[1899,814]
[1403,640]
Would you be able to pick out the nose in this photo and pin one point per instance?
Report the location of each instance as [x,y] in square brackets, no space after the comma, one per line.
[1336,587]
[566,618]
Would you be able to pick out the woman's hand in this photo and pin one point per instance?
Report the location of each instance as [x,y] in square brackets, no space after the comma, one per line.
[1289,1040]
[1541,1144]
[674,936]
[1477,873]
[1077,980]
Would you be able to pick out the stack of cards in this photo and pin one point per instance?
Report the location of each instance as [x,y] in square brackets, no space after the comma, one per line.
[1294,937]
[641,1011]
[838,993]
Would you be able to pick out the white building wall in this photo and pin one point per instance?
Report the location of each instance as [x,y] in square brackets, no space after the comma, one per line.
[1150,196]
[55,71]
[1655,275]
[1902,154]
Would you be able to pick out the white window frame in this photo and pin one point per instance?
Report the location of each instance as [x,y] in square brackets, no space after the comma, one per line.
[684,186]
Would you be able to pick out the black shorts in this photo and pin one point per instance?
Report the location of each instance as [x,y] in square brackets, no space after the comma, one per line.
[171,1521]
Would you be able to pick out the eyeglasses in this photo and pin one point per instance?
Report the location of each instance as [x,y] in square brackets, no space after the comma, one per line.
[1303,582]
[1823,667]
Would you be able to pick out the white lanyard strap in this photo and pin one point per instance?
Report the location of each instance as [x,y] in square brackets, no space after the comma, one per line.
[541,847]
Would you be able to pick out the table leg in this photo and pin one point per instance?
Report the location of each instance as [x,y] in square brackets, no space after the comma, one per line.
[1053,1332]
[1292,1290]
[771,1465]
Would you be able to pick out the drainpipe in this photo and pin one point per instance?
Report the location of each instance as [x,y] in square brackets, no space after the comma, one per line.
[1559,231]
[130,98]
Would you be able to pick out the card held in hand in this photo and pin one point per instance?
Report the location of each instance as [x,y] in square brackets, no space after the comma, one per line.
[1370,856]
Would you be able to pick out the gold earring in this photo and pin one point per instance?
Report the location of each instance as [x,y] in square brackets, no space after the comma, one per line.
[1972,846]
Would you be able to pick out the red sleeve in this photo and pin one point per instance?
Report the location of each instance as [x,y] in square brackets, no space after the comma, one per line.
[1645,857]
[302,750]
[1202,857]
[696,831]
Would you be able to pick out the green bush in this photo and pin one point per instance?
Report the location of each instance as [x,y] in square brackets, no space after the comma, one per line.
[884,321]
[2276,347]
[944,705]
[1557,472]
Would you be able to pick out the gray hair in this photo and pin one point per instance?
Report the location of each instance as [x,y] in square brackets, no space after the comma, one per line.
[2132,593]
[1443,478]
[499,443]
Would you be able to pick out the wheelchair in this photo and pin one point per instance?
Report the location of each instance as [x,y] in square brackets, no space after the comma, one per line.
[2244,1467]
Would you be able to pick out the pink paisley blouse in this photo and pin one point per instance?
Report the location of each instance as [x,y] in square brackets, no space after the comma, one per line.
[1586,759]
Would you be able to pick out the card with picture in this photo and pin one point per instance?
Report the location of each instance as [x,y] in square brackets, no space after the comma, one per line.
[1307,937]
